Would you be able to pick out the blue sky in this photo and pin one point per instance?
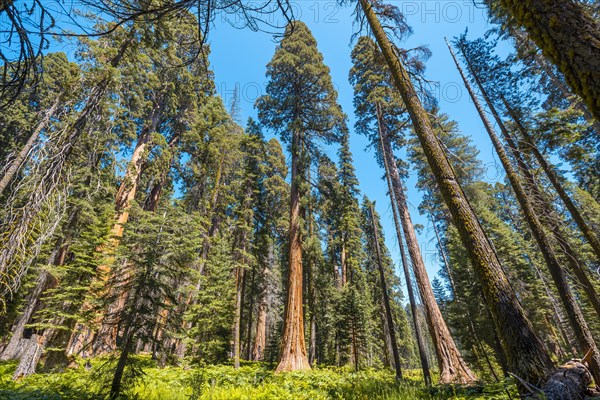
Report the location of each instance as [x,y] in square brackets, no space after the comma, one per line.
[239,57]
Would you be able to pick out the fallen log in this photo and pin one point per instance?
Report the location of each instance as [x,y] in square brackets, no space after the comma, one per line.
[569,382]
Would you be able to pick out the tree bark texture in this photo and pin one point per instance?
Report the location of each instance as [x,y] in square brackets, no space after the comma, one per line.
[579,325]
[453,368]
[528,356]
[568,37]
[293,354]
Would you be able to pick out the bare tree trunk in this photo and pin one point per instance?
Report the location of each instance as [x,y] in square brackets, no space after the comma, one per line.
[239,278]
[527,355]
[386,298]
[578,323]
[30,357]
[260,340]
[293,354]
[568,37]
[452,366]
[15,164]
[250,313]
[407,277]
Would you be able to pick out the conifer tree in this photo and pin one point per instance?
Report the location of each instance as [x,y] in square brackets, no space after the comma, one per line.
[300,104]
[156,254]
[525,351]
[576,318]
[568,36]
[49,181]
[271,226]
[376,102]
[175,94]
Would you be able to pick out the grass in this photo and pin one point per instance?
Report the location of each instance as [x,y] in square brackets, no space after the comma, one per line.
[222,382]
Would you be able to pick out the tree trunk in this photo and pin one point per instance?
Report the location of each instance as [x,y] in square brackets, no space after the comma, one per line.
[30,357]
[14,165]
[260,340]
[386,298]
[239,278]
[115,388]
[528,356]
[344,265]
[250,313]
[453,369]
[387,344]
[568,37]
[552,175]
[293,354]
[407,277]
[570,381]
[580,328]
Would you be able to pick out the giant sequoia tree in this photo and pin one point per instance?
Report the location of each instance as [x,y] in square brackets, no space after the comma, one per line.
[300,105]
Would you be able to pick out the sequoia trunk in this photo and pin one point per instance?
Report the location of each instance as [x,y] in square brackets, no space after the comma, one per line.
[293,354]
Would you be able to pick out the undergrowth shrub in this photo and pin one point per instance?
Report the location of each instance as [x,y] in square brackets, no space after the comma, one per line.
[252,381]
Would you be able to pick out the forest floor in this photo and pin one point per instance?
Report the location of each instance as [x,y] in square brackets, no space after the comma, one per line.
[222,382]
